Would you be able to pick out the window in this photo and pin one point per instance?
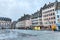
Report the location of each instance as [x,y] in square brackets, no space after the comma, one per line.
[40,19]
[48,22]
[58,20]
[49,18]
[53,13]
[54,21]
[49,14]
[40,22]
[45,22]
[54,17]
[35,23]
[57,16]
[53,9]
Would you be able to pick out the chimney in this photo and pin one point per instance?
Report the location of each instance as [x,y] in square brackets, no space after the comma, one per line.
[37,10]
[56,0]
[49,2]
[24,14]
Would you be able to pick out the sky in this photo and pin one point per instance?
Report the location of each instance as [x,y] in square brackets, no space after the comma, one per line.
[14,9]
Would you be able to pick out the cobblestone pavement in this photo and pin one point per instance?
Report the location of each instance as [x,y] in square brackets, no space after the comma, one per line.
[28,35]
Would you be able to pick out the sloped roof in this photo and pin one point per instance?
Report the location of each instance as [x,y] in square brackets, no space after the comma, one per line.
[5,19]
[25,17]
[47,6]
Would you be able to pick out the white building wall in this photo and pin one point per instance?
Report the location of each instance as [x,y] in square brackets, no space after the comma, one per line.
[25,23]
[5,24]
[43,13]
[20,24]
[37,21]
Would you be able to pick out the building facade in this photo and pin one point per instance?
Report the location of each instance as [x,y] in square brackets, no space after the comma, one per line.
[47,16]
[13,25]
[5,22]
[24,22]
[37,19]
[51,14]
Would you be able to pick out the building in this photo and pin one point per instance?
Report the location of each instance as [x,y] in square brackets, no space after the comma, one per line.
[13,24]
[5,22]
[37,19]
[51,14]
[24,22]
[47,16]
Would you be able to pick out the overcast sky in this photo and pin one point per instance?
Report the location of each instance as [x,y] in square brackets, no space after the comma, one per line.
[14,9]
